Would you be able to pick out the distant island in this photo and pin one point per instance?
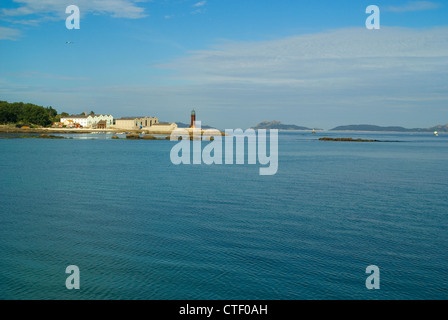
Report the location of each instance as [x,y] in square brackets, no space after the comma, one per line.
[368,127]
[280,126]
[185,125]
[347,139]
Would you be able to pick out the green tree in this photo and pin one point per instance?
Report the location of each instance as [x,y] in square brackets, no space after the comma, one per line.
[10,112]
[35,115]
[19,112]
[53,114]
[51,111]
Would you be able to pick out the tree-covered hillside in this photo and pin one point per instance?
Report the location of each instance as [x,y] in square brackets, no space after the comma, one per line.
[26,113]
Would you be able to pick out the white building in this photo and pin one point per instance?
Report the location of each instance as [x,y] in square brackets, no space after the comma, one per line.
[92,120]
[73,121]
[87,121]
[136,123]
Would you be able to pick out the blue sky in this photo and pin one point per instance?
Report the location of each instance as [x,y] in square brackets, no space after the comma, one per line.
[237,62]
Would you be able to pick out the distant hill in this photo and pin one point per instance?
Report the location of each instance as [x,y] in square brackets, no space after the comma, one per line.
[368,127]
[278,125]
[184,125]
[439,128]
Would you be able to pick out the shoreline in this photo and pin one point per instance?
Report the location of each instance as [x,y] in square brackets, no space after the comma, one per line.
[7,129]
[61,130]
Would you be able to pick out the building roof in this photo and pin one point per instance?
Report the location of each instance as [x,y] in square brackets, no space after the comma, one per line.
[75,117]
[135,118]
[83,116]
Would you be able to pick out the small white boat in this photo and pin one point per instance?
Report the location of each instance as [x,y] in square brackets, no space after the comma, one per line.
[314,131]
[436,133]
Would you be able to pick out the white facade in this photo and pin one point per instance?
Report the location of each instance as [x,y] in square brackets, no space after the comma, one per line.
[132,123]
[87,121]
[72,120]
[92,120]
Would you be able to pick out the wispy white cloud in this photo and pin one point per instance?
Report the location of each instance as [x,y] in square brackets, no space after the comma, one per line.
[301,60]
[199,7]
[9,33]
[200,4]
[370,75]
[414,6]
[56,8]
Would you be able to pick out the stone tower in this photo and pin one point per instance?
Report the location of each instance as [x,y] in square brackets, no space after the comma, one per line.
[193,119]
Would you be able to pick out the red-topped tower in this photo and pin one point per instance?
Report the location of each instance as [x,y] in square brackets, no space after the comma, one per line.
[193,119]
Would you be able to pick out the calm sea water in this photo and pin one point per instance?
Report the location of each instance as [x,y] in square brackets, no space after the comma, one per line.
[139,227]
